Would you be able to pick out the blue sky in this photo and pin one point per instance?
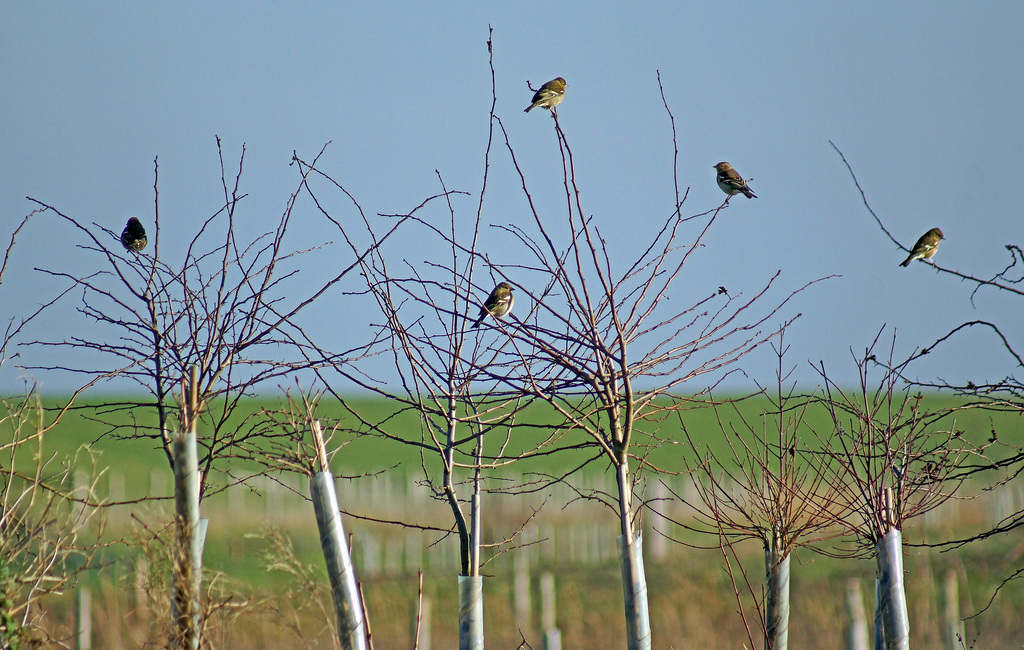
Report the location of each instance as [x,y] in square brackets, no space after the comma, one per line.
[924,100]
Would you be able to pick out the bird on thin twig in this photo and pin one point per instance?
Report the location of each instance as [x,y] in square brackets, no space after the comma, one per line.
[925,248]
[498,304]
[731,182]
[133,237]
[549,95]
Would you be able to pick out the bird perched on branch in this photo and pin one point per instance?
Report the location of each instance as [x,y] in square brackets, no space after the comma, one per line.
[498,304]
[925,248]
[550,95]
[133,237]
[731,182]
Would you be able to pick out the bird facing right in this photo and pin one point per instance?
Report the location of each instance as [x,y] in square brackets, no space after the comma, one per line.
[549,95]
[731,182]
[133,237]
[498,304]
[925,248]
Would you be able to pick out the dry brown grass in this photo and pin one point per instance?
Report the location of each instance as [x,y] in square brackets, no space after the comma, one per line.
[691,604]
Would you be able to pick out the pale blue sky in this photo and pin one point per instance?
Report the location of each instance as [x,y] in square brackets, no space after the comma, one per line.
[923,98]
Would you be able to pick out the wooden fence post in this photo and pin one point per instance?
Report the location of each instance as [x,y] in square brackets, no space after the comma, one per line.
[549,620]
[857,634]
[83,619]
[521,591]
[952,624]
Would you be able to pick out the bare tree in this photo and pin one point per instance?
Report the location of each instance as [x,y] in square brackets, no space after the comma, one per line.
[444,368]
[1003,459]
[893,459]
[885,459]
[770,485]
[568,345]
[229,308]
[606,350]
[226,316]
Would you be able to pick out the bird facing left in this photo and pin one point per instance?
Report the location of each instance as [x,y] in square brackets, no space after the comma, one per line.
[730,181]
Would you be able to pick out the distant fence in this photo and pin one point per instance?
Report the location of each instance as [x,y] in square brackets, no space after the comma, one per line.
[563,529]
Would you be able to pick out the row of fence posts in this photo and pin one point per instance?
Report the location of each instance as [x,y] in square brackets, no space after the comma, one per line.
[522,595]
[857,635]
[523,609]
[401,494]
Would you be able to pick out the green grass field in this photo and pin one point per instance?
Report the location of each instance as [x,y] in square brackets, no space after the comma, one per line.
[91,424]
[691,598]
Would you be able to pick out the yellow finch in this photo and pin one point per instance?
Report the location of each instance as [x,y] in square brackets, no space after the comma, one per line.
[498,304]
[731,182]
[133,237]
[925,248]
[550,95]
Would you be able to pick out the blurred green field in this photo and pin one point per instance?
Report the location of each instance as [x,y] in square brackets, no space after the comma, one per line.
[382,478]
[92,423]
[690,594]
